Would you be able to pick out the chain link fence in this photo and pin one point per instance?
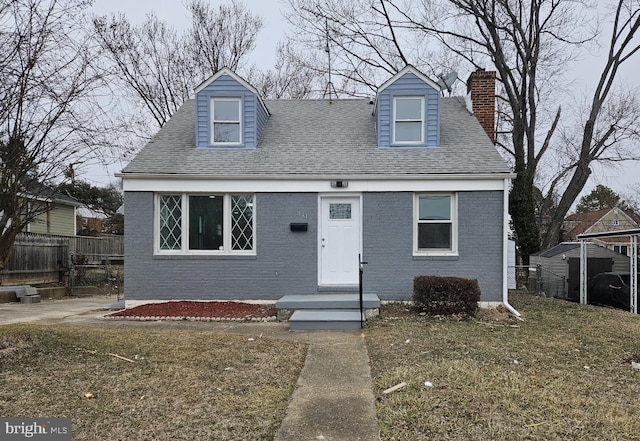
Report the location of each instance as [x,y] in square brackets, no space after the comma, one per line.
[541,281]
[91,274]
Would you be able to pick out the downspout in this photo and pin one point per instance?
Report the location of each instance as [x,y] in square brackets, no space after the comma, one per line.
[505,250]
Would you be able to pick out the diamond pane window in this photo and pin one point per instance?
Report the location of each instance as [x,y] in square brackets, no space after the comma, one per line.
[242,222]
[170,222]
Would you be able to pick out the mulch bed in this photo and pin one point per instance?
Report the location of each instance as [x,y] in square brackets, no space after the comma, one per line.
[189,310]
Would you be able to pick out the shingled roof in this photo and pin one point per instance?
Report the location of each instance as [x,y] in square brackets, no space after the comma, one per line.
[318,138]
[579,223]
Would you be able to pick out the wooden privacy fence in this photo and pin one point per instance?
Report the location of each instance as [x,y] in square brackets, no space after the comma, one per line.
[37,258]
[97,246]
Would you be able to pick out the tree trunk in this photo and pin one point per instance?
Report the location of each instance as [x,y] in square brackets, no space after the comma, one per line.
[7,239]
[522,209]
[577,183]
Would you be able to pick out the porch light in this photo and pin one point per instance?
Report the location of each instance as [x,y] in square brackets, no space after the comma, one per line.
[339,184]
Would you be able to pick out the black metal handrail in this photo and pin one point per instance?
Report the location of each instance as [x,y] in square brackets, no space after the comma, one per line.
[360,273]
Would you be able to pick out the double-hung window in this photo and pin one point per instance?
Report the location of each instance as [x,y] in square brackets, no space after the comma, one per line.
[408,120]
[435,224]
[226,125]
[205,224]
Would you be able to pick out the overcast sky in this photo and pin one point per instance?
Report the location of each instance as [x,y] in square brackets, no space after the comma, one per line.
[173,11]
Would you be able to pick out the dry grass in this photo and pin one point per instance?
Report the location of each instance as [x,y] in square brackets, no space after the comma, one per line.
[562,374]
[182,385]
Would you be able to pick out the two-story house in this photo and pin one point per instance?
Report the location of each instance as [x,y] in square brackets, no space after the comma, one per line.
[242,198]
[605,220]
[57,212]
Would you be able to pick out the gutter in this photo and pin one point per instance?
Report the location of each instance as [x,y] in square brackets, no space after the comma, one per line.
[305,177]
[505,252]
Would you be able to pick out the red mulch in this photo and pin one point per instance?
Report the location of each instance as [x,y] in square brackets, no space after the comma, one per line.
[184,308]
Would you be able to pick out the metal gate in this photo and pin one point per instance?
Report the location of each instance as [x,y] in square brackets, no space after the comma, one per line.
[91,274]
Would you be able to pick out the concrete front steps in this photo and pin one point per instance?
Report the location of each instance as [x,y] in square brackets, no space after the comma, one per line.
[328,311]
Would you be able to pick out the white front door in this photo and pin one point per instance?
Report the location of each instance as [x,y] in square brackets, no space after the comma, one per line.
[339,240]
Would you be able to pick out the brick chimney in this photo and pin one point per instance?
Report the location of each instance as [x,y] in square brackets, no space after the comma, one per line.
[481,86]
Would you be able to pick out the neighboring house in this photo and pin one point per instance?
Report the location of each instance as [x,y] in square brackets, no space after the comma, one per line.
[89,222]
[242,198]
[59,212]
[608,219]
[558,268]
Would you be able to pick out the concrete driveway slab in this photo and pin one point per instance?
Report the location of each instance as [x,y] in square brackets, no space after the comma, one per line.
[47,310]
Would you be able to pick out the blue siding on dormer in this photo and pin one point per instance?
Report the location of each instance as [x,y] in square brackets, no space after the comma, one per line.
[408,85]
[253,114]
[261,120]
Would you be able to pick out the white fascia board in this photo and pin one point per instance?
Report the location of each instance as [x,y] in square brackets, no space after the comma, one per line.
[236,77]
[409,69]
[319,185]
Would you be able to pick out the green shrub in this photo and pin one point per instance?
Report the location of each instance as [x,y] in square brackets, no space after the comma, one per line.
[438,295]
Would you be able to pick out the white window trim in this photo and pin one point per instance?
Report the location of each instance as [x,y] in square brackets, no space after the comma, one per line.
[213,121]
[454,227]
[184,225]
[395,120]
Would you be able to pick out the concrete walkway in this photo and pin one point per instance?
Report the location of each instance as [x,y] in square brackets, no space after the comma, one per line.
[333,400]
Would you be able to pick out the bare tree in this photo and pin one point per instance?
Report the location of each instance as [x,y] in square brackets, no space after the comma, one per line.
[612,119]
[530,43]
[291,77]
[48,107]
[156,68]
[364,42]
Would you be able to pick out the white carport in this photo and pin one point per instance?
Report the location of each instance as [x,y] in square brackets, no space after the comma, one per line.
[633,263]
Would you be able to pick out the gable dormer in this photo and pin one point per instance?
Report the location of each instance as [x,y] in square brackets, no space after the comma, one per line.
[408,110]
[229,112]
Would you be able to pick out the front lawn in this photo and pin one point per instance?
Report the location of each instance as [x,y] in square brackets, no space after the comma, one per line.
[141,384]
[563,373]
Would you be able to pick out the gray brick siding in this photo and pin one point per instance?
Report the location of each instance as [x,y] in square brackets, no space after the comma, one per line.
[286,262]
[388,244]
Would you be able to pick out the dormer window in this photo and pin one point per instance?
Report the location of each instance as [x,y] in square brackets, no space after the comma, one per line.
[226,121]
[408,120]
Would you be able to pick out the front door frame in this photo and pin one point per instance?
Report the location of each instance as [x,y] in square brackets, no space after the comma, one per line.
[356,198]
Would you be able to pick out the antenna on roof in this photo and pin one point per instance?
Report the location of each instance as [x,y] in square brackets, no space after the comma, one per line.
[446,81]
[329,89]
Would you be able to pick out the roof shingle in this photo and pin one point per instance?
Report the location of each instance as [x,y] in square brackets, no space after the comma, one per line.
[305,138]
